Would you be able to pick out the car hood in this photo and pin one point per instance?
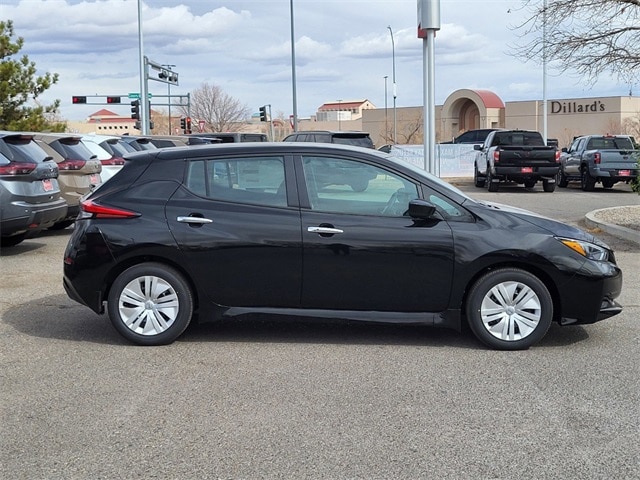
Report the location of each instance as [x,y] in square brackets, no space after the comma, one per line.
[554,227]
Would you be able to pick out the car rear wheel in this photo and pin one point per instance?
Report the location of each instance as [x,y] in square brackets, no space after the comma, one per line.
[562,179]
[13,240]
[587,182]
[478,180]
[491,185]
[150,304]
[509,309]
[548,186]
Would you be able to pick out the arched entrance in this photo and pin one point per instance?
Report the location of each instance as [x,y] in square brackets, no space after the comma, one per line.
[469,110]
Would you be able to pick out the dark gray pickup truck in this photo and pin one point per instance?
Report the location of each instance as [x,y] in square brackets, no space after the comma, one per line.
[607,159]
[517,156]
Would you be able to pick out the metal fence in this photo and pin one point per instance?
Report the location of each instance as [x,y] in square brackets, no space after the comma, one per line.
[451,160]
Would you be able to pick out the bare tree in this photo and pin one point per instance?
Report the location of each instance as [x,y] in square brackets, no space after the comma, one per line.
[219,111]
[590,36]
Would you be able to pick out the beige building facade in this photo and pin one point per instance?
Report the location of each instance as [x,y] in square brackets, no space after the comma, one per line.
[473,109]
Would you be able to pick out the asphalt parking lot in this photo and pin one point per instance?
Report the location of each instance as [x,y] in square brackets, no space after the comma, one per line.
[295,400]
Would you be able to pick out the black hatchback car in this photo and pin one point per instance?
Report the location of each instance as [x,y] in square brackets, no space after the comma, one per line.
[223,231]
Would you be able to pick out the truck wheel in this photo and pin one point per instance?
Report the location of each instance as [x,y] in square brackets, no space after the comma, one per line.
[561,179]
[548,186]
[491,185]
[509,309]
[478,180]
[529,183]
[587,182]
[608,183]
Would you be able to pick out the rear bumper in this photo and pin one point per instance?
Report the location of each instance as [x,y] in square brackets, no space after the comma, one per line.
[33,217]
[517,172]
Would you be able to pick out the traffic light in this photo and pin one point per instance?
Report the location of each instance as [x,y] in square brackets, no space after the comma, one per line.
[113,99]
[135,109]
[263,113]
[183,124]
[188,122]
[78,99]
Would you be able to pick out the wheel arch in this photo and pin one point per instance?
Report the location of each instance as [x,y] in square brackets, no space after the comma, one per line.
[540,273]
[140,259]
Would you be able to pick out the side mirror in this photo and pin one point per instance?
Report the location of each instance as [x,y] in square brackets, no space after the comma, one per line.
[421,209]
[565,149]
[477,147]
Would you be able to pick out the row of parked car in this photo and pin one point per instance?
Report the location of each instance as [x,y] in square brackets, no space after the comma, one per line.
[43,176]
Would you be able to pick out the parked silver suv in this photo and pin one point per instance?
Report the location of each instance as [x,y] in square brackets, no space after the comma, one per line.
[30,197]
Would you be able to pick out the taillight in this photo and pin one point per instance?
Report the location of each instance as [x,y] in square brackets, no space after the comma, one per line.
[496,156]
[597,158]
[557,156]
[102,211]
[17,168]
[113,161]
[71,164]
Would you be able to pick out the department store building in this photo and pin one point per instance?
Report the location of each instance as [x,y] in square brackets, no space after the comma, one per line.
[473,109]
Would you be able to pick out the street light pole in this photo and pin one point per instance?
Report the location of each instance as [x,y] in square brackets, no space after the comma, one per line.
[386,122]
[339,116]
[395,93]
[169,66]
[293,72]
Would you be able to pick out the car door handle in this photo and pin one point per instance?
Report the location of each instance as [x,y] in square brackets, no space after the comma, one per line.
[199,220]
[325,230]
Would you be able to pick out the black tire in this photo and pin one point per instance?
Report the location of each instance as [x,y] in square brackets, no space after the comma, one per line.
[156,317]
[608,183]
[509,309]
[587,182]
[562,179]
[491,185]
[529,183]
[12,240]
[61,225]
[478,180]
[548,186]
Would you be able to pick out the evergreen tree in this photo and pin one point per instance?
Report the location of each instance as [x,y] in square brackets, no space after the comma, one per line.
[20,88]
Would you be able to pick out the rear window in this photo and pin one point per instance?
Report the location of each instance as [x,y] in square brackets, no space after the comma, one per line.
[518,139]
[610,143]
[72,148]
[356,140]
[20,148]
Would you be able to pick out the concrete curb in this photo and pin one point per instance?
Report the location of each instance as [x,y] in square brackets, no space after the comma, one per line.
[592,220]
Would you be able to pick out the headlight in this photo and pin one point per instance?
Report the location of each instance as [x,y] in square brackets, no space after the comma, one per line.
[586,249]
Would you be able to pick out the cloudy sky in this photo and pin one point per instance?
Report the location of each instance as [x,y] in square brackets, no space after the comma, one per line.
[343,50]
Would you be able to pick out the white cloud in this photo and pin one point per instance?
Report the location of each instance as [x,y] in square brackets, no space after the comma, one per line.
[343,49]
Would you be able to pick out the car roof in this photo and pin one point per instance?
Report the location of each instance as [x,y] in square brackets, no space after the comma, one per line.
[94,137]
[47,137]
[333,132]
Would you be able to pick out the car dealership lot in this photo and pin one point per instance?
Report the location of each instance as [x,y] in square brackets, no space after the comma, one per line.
[261,399]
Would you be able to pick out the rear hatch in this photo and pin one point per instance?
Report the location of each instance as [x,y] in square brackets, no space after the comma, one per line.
[27,173]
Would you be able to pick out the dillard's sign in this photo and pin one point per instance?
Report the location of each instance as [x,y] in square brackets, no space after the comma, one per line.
[577,107]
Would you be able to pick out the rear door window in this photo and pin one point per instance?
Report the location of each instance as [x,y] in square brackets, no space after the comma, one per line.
[251,180]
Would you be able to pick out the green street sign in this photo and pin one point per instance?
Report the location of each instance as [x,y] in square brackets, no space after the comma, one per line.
[136,96]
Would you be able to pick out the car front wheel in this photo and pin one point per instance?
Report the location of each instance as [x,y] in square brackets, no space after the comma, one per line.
[509,309]
[150,304]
